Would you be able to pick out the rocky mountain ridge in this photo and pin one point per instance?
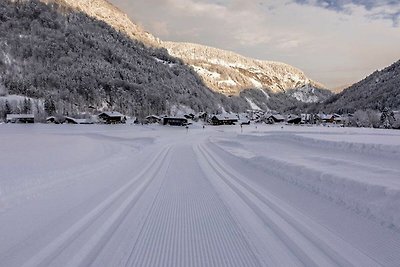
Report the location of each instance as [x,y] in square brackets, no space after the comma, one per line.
[231,73]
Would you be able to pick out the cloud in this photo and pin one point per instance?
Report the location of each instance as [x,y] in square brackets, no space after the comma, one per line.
[383,9]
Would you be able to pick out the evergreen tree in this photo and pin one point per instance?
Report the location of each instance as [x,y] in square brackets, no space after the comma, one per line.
[49,106]
[387,118]
[7,108]
[27,106]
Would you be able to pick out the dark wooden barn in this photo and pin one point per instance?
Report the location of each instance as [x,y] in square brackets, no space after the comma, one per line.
[175,121]
[224,120]
[112,117]
[20,118]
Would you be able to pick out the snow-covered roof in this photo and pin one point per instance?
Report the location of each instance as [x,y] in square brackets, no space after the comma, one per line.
[153,116]
[20,116]
[276,116]
[79,121]
[223,117]
[325,116]
[112,114]
[174,118]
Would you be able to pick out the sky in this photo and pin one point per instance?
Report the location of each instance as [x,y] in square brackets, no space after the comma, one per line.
[335,42]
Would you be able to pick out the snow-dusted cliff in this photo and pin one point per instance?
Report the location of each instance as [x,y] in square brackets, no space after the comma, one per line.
[231,73]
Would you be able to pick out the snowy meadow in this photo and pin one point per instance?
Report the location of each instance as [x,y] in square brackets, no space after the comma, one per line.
[130,195]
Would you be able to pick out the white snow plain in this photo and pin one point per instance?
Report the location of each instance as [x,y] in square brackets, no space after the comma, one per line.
[127,195]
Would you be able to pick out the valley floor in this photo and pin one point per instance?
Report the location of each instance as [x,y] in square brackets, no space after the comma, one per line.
[221,196]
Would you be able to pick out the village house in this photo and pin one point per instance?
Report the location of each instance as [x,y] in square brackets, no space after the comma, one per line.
[71,120]
[224,119]
[112,117]
[293,119]
[152,119]
[274,118]
[55,120]
[189,116]
[20,118]
[331,118]
[175,121]
[202,116]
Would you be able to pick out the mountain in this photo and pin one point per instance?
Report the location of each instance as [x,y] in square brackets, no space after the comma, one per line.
[73,61]
[378,91]
[80,53]
[222,71]
[231,73]
[105,11]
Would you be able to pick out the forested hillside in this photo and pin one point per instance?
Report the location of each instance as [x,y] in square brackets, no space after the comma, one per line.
[75,61]
[379,91]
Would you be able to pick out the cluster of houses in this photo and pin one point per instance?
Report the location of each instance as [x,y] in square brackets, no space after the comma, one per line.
[111,117]
[114,117]
[272,117]
[220,119]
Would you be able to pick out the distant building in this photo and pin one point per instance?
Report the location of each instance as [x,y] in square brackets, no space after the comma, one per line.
[153,119]
[189,116]
[52,119]
[293,119]
[71,120]
[112,117]
[330,118]
[225,119]
[202,116]
[175,121]
[20,118]
[274,118]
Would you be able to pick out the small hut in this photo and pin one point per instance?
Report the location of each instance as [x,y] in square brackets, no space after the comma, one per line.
[175,121]
[20,118]
[224,119]
[112,117]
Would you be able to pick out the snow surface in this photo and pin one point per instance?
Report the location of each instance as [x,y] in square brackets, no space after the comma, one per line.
[128,195]
[252,104]
[17,98]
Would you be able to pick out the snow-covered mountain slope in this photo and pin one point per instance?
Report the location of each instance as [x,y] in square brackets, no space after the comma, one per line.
[309,94]
[222,71]
[378,91]
[230,73]
[105,11]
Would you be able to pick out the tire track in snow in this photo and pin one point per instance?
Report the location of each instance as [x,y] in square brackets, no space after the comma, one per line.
[311,243]
[189,225]
[137,185]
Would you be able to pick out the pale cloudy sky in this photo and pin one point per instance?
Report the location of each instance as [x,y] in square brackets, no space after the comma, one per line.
[335,42]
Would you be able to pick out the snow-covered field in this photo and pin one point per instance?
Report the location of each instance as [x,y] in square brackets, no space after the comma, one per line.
[98,195]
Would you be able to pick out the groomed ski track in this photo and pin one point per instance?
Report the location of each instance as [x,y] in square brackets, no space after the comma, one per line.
[178,202]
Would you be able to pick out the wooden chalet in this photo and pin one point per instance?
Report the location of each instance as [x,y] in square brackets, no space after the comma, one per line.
[71,120]
[293,119]
[226,119]
[153,119]
[175,121]
[20,118]
[202,116]
[56,119]
[331,118]
[112,117]
[274,118]
[189,116]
